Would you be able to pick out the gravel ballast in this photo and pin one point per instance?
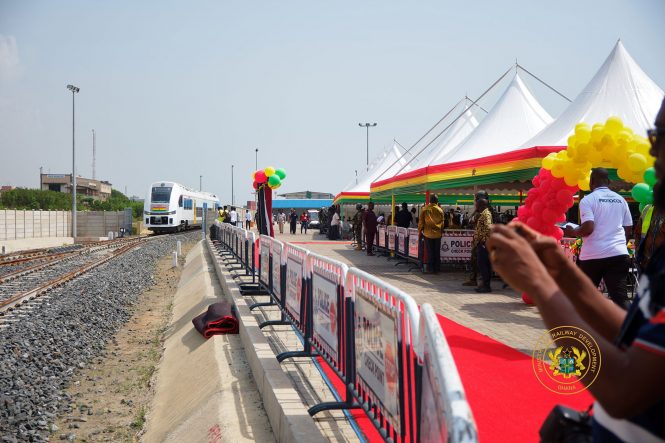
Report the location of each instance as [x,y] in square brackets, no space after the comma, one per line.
[40,353]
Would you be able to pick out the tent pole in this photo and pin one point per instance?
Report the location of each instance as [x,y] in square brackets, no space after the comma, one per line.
[427,197]
[520,197]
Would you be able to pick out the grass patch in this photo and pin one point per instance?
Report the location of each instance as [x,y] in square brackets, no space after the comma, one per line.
[139,420]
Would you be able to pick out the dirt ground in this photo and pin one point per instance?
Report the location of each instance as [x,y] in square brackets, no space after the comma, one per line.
[111,396]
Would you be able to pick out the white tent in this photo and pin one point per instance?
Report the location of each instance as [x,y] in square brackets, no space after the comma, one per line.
[464,124]
[620,88]
[516,117]
[386,165]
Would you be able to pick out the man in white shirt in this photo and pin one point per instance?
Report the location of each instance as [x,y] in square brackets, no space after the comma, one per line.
[606,226]
[234,215]
[248,219]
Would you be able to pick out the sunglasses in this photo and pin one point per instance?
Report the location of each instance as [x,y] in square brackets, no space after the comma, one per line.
[654,133]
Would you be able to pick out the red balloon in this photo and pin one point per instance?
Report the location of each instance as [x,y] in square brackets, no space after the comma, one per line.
[563,196]
[537,207]
[523,212]
[255,185]
[558,183]
[549,216]
[526,299]
[260,177]
[536,180]
[557,233]
[561,217]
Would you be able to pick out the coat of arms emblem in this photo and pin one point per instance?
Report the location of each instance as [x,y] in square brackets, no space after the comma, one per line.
[567,362]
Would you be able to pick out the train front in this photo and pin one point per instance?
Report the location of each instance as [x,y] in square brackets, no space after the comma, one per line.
[159,211]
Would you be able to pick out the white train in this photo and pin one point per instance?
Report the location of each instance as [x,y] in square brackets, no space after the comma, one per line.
[171,207]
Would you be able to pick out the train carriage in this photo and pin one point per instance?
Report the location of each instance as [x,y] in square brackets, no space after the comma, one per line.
[172,207]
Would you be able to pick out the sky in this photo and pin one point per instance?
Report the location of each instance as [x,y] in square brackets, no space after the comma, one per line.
[179,90]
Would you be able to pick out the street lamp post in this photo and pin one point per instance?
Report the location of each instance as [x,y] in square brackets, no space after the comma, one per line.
[74,90]
[367,126]
[232,196]
[200,183]
[256,159]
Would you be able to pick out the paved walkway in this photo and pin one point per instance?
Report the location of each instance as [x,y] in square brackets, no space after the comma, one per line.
[500,315]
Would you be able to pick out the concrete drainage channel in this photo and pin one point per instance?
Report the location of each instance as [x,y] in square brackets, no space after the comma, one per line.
[285,409]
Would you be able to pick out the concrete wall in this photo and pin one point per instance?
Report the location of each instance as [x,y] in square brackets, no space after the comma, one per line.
[19,224]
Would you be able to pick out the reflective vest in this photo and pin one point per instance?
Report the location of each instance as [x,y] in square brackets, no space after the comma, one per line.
[646,220]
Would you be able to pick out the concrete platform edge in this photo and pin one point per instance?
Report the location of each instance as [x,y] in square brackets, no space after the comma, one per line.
[286,412]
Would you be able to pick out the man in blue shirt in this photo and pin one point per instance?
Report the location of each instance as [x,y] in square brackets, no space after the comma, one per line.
[630,386]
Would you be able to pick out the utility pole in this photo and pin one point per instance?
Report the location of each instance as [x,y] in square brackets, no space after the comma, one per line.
[74,90]
[232,196]
[256,159]
[94,156]
[367,126]
[200,183]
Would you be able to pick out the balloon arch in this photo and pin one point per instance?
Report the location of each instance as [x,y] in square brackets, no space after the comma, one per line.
[564,173]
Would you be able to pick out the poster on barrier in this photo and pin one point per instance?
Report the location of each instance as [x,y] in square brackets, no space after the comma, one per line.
[401,240]
[293,286]
[391,237]
[456,246]
[376,353]
[433,427]
[413,243]
[324,292]
[276,271]
[265,263]
[382,237]
[241,249]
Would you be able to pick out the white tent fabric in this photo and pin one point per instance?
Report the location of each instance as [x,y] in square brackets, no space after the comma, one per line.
[392,156]
[516,117]
[620,88]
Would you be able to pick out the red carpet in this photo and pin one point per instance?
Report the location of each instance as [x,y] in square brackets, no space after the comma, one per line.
[507,400]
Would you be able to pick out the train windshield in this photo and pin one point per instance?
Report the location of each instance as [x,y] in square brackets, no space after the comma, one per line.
[161,194]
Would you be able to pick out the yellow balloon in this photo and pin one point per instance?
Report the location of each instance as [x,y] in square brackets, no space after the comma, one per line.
[637,163]
[557,170]
[570,179]
[269,171]
[583,183]
[571,141]
[595,157]
[624,173]
[584,149]
[597,134]
[642,146]
[548,162]
[613,125]
[582,133]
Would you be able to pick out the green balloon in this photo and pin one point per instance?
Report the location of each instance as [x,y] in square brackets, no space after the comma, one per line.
[650,177]
[274,180]
[282,173]
[642,193]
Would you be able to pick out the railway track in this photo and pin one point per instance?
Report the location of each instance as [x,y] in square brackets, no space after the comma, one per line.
[40,271]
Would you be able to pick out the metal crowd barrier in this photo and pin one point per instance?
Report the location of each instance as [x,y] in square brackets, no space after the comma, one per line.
[393,359]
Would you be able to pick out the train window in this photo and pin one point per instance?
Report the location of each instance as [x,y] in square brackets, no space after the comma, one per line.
[161,194]
[180,202]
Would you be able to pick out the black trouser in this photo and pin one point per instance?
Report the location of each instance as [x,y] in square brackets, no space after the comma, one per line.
[433,247]
[248,224]
[484,265]
[614,270]
[293,227]
[369,239]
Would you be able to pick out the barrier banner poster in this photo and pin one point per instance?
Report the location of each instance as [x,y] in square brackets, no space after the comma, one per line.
[293,286]
[265,263]
[382,237]
[413,242]
[241,248]
[376,353]
[456,246]
[401,240]
[391,237]
[433,427]
[276,271]
[324,292]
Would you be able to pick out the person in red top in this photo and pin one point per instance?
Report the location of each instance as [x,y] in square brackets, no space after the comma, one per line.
[304,221]
[369,220]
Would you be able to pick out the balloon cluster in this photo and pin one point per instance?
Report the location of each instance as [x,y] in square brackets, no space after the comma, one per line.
[270,176]
[546,204]
[610,145]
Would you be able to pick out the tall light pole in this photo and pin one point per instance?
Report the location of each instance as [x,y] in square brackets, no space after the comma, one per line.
[232,199]
[367,126]
[200,183]
[74,90]
[256,159]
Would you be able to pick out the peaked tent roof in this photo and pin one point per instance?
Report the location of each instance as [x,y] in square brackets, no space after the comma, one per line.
[620,87]
[464,124]
[382,168]
[516,117]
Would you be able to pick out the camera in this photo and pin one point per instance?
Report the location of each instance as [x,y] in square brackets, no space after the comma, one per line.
[566,425]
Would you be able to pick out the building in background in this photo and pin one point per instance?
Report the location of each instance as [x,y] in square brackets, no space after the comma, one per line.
[86,187]
[306,195]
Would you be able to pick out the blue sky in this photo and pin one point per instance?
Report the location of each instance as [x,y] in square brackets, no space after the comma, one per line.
[176,90]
